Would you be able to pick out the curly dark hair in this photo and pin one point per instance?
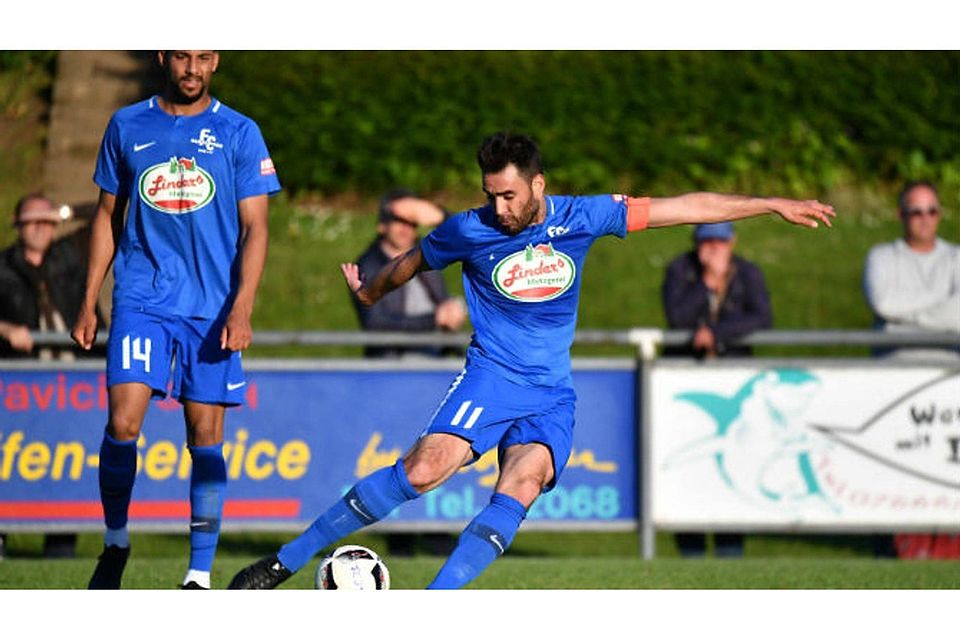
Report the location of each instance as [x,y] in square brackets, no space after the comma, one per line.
[503,148]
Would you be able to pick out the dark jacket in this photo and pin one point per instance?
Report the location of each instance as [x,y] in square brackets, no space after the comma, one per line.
[388,313]
[686,302]
[64,274]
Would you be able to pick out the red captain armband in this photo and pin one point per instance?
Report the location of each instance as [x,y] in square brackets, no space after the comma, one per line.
[638,213]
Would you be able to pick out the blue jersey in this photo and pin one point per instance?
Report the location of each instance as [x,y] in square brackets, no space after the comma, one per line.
[522,291]
[183,175]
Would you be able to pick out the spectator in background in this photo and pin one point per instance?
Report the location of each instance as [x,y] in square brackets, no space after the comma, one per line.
[720,297]
[716,294]
[41,281]
[422,304]
[41,288]
[913,283]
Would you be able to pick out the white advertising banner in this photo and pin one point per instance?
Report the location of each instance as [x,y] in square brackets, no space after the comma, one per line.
[851,447]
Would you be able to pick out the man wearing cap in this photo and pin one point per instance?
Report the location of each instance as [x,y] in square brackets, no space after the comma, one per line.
[714,293]
[720,297]
[41,289]
[422,304]
[41,281]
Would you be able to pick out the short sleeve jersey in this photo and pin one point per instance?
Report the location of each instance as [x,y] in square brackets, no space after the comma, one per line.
[183,175]
[522,291]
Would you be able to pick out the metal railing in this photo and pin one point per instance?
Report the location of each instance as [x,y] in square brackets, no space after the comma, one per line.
[644,339]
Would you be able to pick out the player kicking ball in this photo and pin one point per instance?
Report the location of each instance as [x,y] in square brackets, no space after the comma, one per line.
[522,256]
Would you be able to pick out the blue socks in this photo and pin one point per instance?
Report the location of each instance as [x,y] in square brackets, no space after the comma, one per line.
[371,499]
[118,468]
[208,482]
[484,539]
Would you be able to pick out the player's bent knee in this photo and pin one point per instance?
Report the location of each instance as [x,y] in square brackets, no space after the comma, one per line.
[523,490]
[523,486]
[433,460]
[424,474]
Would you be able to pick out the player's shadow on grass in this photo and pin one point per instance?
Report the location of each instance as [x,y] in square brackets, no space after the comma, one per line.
[395,544]
[252,544]
[813,545]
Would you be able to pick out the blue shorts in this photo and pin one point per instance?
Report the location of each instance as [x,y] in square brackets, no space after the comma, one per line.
[149,348]
[487,410]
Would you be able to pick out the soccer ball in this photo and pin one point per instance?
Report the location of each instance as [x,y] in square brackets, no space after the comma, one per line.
[352,568]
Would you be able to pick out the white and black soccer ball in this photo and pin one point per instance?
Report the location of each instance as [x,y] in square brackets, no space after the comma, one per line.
[352,568]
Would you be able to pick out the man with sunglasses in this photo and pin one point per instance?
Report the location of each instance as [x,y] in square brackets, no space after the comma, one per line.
[913,283]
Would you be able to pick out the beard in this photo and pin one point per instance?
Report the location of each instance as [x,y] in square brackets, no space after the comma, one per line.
[182,96]
[527,215]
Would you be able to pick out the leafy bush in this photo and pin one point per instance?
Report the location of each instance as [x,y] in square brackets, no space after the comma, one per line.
[634,121]
[25,81]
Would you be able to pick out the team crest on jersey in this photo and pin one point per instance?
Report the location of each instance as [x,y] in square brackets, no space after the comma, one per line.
[535,274]
[176,186]
[206,141]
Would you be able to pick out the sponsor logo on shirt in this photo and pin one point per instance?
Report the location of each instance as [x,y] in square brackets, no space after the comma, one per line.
[206,141]
[535,274]
[177,186]
[266,167]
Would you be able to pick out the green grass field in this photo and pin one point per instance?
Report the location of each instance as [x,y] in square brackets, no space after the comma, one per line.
[548,585]
[536,561]
[542,573]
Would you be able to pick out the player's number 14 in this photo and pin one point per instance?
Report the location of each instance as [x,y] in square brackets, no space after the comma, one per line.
[140,351]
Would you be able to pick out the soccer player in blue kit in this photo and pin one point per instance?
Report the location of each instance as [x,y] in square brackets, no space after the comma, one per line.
[522,256]
[196,176]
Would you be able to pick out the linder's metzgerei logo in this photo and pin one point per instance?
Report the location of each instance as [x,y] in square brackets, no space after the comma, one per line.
[536,274]
[176,186]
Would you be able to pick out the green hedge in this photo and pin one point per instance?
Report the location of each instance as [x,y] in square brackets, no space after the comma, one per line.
[640,121]
[26,78]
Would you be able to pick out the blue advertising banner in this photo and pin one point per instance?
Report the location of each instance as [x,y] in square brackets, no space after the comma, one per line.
[308,432]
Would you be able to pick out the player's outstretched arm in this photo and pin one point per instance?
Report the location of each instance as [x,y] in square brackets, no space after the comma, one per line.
[698,208]
[104,230]
[237,332]
[393,274]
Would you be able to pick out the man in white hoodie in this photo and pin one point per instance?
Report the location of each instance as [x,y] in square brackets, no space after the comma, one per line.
[913,283]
